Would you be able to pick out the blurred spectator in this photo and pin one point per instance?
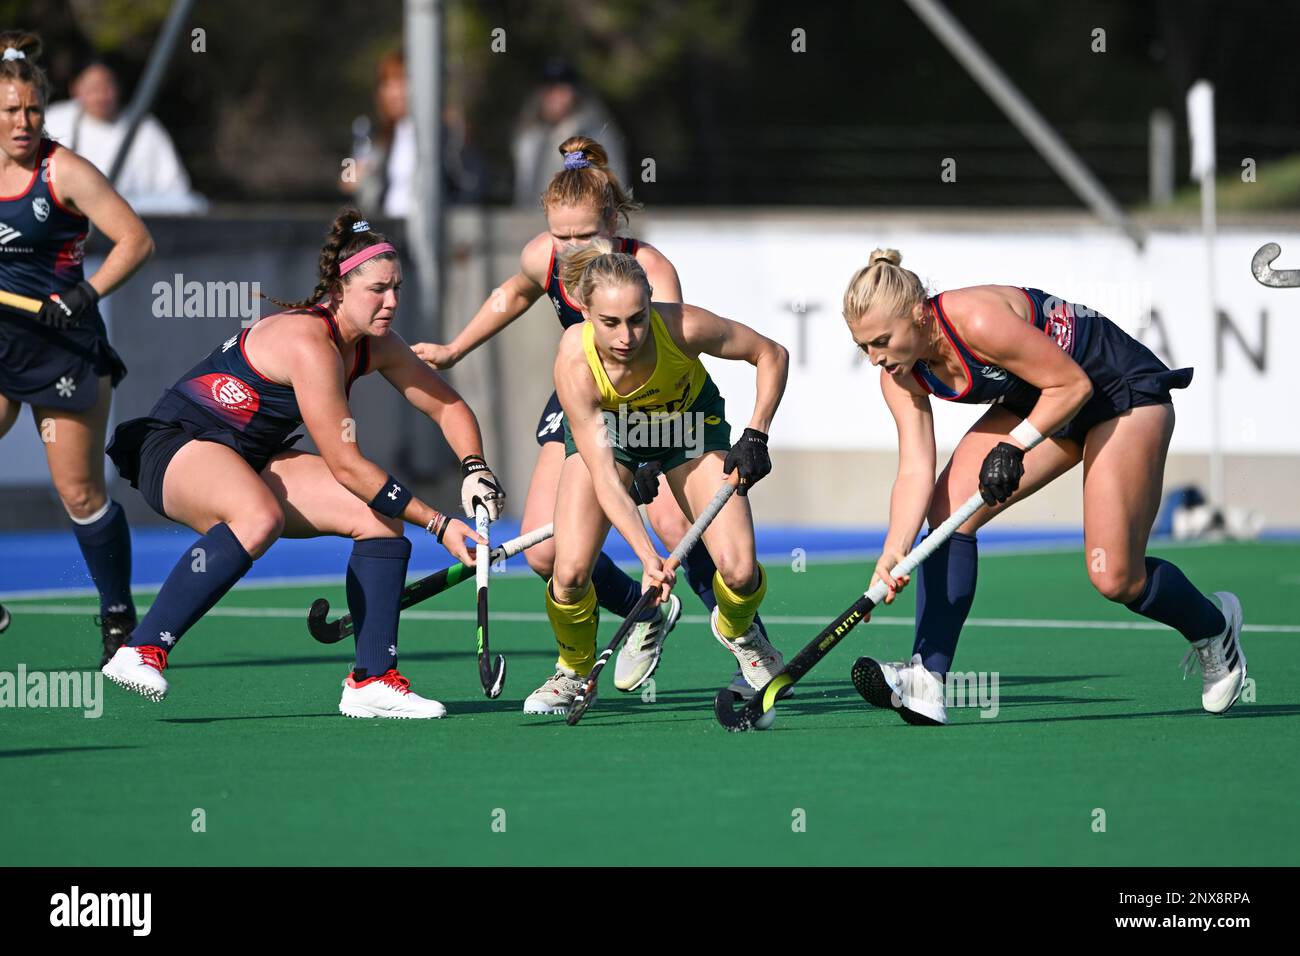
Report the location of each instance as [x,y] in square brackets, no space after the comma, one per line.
[386,155]
[561,107]
[152,179]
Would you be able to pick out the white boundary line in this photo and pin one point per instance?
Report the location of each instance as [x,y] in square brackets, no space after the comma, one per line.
[533,617]
[1047,546]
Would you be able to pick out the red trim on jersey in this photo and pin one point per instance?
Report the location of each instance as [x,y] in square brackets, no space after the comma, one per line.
[560,282]
[916,374]
[955,333]
[40,154]
[1030,299]
[54,195]
[360,363]
[550,271]
[944,326]
[244,352]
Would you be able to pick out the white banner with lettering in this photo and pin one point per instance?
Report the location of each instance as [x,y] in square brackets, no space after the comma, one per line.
[787,280]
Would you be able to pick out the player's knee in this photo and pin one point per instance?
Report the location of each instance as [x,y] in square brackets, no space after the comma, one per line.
[1117,585]
[81,499]
[541,558]
[737,571]
[258,528]
[569,582]
[371,524]
[668,521]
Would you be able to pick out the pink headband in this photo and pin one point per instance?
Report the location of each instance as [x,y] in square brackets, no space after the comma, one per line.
[354,260]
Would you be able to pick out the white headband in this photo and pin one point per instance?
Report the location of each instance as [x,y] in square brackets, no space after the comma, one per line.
[13,53]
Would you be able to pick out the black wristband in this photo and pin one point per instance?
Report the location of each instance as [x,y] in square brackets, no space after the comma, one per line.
[90,290]
[753,434]
[472,463]
[438,525]
[391,500]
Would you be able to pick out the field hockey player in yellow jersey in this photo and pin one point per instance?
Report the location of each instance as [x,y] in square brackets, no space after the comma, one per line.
[633,390]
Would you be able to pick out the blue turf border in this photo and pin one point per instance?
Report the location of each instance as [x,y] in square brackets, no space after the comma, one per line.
[50,560]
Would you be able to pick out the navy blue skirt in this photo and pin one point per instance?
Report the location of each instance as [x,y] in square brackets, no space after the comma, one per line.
[51,369]
[1124,374]
[142,448]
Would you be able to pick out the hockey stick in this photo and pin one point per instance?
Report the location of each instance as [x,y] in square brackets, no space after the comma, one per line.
[759,712]
[584,698]
[22,303]
[492,675]
[331,632]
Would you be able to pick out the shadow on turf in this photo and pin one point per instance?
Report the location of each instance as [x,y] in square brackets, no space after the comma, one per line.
[1238,712]
[343,658]
[46,751]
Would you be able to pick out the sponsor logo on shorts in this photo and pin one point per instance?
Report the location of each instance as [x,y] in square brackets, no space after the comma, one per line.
[656,429]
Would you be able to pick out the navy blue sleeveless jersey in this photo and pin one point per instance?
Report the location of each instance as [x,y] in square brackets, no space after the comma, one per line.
[223,399]
[550,427]
[1124,373]
[264,413]
[565,310]
[41,251]
[41,241]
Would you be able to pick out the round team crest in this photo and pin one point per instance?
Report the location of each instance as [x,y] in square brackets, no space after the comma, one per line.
[41,208]
[1060,326]
[232,393]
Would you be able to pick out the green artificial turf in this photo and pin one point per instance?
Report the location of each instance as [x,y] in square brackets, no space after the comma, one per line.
[1089,719]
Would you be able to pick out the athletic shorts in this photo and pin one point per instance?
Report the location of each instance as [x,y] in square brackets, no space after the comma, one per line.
[52,369]
[142,448]
[671,441]
[550,427]
[1124,374]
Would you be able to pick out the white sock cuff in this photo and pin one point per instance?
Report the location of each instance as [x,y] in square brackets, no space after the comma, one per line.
[108,503]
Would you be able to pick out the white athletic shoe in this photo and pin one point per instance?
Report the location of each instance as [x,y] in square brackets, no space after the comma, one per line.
[556,694]
[139,669]
[1221,659]
[879,682]
[759,661]
[388,695]
[920,701]
[640,653]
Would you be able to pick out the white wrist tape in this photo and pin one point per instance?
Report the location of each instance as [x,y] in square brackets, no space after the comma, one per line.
[1026,434]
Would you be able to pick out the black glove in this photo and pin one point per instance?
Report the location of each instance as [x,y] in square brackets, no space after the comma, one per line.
[65,310]
[645,482]
[749,458]
[1001,472]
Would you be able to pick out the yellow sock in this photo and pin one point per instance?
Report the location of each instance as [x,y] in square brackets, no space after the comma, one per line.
[736,611]
[575,628]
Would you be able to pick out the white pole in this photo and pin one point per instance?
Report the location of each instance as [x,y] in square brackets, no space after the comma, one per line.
[1200,115]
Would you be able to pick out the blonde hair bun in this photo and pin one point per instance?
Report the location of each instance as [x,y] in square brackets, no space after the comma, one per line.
[892,256]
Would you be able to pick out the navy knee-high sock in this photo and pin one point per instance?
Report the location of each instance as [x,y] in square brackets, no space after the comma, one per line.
[376,575]
[945,590]
[1172,599]
[206,571]
[699,568]
[616,592]
[106,545]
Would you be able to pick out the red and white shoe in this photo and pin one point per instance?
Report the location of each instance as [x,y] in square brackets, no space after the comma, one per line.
[388,695]
[139,669]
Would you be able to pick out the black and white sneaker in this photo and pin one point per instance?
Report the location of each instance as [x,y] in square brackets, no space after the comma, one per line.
[1221,659]
[878,682]
[116,630]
